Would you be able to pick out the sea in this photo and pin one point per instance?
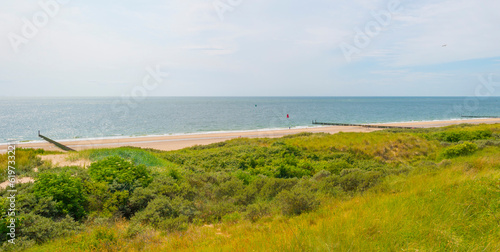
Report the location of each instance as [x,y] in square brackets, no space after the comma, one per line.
[114,117]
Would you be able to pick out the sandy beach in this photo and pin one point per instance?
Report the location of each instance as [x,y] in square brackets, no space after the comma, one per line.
[174,142]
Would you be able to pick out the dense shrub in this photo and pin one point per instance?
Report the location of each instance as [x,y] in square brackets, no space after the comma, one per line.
[358,180]
[123,173]
[41,229]
[66,190]
[160,210]
[140,198]
[229,188]
[166,185]
[320,175]
[215,210]
[297,201]
[330,186]
[481,144]
[462,149]
[46,207]
[289,171]
[461,135]
[97,195]
[273,186]
[251,192]
[256,211]
[337,165]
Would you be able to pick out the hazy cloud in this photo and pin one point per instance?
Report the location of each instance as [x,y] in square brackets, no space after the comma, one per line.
[262,47]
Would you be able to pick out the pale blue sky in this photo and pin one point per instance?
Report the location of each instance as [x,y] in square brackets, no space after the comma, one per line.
[260,48]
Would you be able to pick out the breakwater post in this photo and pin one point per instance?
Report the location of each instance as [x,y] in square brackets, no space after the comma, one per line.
[57,144]
[481,116]
[363,125]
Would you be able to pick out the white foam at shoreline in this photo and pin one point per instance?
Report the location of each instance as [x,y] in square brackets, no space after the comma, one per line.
[168,134]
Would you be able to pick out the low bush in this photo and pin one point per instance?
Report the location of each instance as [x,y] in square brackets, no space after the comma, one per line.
[352,180]
[321,175]
[336,166]
[297,201]
[231,218]
[66,190]
[229,188]
[256,211]
[123,173]
[481,144]
[462,149]
[273,186]
[290,171]
[41,229]
[162,208]
[461,135]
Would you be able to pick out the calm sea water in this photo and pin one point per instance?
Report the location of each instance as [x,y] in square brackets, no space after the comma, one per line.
[69,118]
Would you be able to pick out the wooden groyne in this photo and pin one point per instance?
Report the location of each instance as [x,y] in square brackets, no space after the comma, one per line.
[481,116]
[364,125]
[59,145]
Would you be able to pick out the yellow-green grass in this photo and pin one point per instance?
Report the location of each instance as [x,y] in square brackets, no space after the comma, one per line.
[380,145]
[452,207]
[25,161]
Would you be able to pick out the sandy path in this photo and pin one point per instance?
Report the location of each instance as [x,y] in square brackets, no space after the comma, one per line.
[174,142]
[61,160]
[5,184]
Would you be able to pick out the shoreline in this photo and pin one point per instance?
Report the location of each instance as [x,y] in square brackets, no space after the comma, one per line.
[402,123]
[164,135]
[179,141]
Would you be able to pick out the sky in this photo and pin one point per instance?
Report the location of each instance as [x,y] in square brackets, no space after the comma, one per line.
[249,48]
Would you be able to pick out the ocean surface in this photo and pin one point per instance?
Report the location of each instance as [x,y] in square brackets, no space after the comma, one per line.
[76,118]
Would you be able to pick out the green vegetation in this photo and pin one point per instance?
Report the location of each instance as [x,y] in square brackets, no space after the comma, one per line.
[64,190]
[117,171]
[462,149]
[133,154]
[462,135]
[422,189]
[26,160]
